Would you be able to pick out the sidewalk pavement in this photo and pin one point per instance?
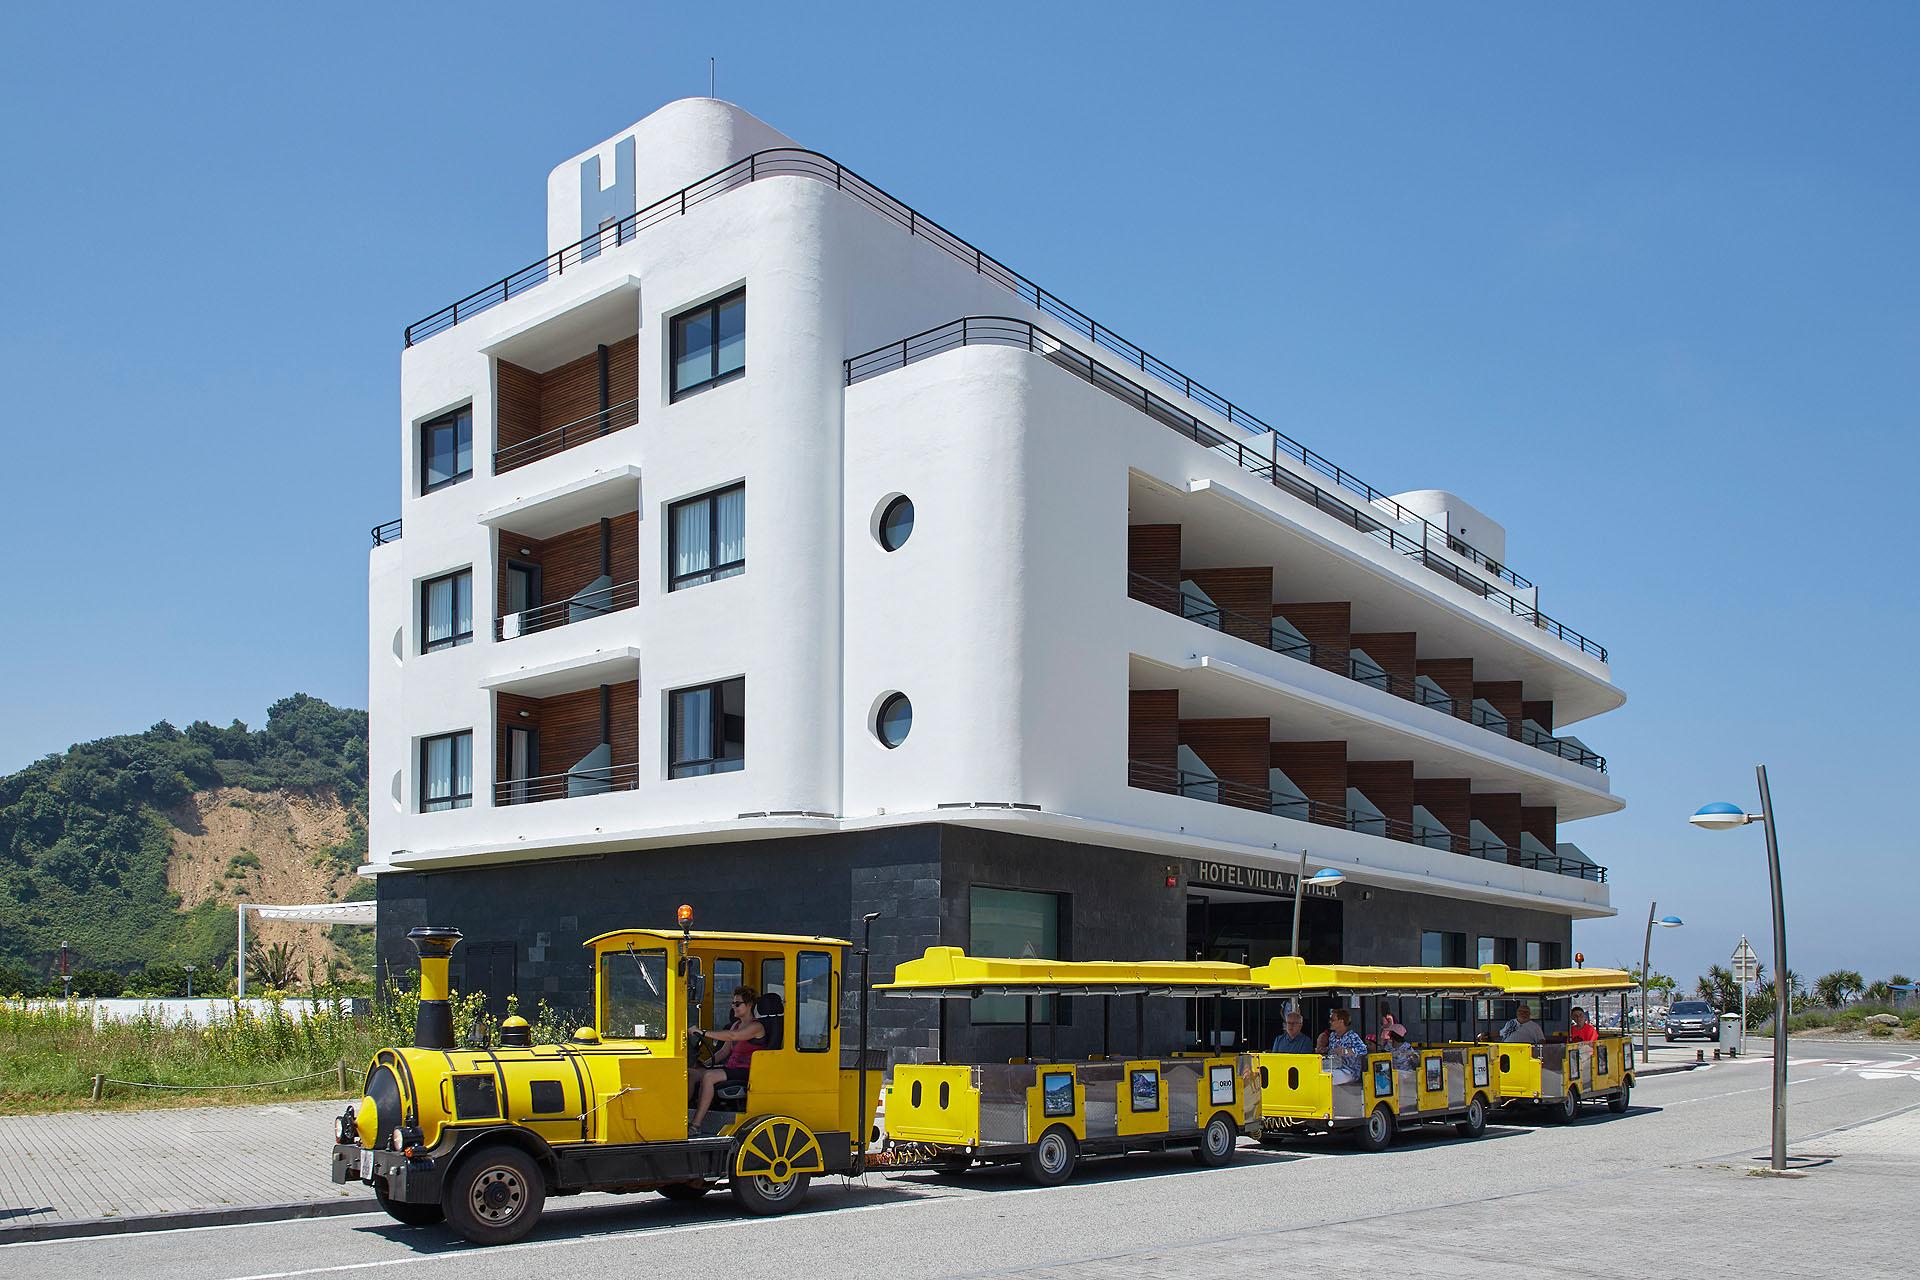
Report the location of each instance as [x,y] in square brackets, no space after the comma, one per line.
[90,1172]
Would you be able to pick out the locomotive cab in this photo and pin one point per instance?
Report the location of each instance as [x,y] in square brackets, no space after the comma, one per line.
[481,1136]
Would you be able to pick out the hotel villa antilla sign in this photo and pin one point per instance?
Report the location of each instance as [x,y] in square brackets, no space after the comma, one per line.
[1228,875]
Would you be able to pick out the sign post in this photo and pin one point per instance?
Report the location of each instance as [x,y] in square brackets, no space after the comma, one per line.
[1746,969]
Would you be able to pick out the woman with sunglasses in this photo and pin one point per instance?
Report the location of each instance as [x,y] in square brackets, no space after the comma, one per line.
[745,1035]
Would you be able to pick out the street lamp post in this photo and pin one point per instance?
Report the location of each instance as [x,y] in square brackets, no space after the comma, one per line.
[189,969]
[1646,970]
[1721,816]
[1325,876]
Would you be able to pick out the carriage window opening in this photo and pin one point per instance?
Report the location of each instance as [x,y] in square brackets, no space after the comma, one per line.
[813,1002]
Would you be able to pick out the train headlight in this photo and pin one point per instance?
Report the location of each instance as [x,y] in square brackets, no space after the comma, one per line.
[399,1140]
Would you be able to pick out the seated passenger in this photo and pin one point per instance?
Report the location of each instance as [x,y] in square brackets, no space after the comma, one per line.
[1346,1051]
[1521,1028]
[1581,1031]
[1405,1056]
[1293,1039]
[745,1034]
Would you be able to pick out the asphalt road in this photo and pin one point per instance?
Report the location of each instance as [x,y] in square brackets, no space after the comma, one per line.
[1607,1196]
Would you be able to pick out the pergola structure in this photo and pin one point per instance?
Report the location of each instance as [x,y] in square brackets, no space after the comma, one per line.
[362,913]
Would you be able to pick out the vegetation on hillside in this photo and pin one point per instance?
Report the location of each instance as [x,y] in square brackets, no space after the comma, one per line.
[84,841]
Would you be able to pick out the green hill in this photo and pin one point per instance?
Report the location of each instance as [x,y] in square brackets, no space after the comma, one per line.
[86,835]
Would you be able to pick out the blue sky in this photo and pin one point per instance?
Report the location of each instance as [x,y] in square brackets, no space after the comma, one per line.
[1637,280]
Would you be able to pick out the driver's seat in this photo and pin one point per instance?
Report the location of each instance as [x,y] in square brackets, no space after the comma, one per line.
[770,1009]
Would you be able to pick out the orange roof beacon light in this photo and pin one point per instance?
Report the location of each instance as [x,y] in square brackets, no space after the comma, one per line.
[1579,959]
[685,915]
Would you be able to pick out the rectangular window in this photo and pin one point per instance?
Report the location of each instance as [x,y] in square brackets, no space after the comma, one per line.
[446,611]
[446,449]
[710,343]
[1487,955]
[707,538]
[728,976]
[707,729]
[1550,956]
[446,772]
[1442,950]
[773,977]
[1014,923]
[813,998]
[1534,956]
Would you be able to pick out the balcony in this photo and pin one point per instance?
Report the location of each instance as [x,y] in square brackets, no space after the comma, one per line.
[569,576]
[543,408]
[1197,785]
[1192,604]
[593,732]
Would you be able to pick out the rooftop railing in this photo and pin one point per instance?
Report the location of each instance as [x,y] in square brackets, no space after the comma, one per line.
[1341,661]
[1005,331]
[385,533]
[1240,795]
[795,162]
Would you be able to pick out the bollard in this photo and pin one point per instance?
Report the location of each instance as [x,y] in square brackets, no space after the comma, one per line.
[1700,1055]
[99,1087]
[1716,1053]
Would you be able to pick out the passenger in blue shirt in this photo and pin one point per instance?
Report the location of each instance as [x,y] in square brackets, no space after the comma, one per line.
[1346,1051]
[1294,1039]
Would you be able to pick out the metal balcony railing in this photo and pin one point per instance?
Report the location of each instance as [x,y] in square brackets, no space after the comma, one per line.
[599,423]
[385,533]
[1199,786]
[1004,331]
[588,604]
[1341,661]
[561,786]
[795,162]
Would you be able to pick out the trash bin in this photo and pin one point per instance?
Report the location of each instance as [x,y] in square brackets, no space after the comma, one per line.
[1733,1034]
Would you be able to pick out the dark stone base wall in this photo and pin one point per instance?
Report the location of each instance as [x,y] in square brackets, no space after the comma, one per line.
[525,922]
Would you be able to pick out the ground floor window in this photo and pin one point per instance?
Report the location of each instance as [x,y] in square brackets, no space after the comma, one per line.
[1012,923]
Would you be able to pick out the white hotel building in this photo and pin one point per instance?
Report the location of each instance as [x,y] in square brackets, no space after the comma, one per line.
[772,549]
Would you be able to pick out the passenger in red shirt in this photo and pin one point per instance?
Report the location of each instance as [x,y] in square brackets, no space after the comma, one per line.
[1581,1031]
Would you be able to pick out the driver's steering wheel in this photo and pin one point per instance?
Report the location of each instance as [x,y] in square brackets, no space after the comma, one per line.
[705,1050]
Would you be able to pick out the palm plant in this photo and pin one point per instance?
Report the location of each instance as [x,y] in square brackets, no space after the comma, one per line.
[273,964]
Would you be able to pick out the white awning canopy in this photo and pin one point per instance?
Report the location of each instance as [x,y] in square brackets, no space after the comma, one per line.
[318,912]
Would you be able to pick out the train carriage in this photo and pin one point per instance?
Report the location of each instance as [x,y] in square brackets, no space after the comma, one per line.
[1449,1084]
[1045,1111]
[1560,1074]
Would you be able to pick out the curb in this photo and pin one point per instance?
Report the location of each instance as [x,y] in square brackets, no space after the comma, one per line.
[1668,1070]
[181,1218]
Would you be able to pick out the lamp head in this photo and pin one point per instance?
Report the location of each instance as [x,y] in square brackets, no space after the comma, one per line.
[1327,876]
[1720,816]
[1669,922]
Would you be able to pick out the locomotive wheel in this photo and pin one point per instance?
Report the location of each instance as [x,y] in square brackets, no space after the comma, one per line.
[775,1160]
[1377,1133]
[412,1214]
[1216,1143]
[1474,1123]
[1052,1159]
[495,1195]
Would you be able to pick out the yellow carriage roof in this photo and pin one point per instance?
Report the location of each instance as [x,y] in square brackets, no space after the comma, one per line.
[1557,982]
[714,935]
[947,973]
[1286,975]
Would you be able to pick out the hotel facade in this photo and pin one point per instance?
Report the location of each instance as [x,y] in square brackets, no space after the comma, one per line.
[770,548]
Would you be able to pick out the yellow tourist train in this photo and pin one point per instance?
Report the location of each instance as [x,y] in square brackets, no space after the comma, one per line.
[481,1136]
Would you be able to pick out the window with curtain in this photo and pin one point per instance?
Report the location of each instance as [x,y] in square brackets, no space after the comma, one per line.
[710,343]
[1012,923]
[707,730]
[446,449]
[707,538]
[446,772]
[446,611]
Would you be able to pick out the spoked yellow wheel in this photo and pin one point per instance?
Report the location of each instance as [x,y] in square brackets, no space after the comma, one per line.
[775,1160]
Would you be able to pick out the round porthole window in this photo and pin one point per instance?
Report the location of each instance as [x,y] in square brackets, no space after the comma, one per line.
[896,523]
[894,721]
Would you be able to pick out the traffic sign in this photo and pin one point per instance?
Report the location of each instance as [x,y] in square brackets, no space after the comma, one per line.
[1746,965]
